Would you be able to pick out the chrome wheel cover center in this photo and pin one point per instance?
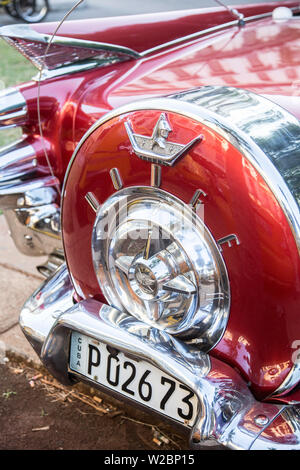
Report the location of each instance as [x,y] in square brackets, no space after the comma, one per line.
[154,258]
[144,277]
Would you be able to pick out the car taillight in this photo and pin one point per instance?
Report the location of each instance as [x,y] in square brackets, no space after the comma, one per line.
[58,55]
[13,108]
[54,53]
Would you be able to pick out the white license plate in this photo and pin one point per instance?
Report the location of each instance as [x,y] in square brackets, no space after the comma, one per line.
[134,378]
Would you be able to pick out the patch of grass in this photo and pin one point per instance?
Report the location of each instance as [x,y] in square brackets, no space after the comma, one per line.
[14,69]
[7,136]
[8,394]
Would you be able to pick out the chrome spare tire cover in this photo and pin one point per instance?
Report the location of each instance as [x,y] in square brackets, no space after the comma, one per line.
[154,258]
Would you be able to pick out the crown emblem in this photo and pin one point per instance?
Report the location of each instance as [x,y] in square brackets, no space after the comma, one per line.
[157,148]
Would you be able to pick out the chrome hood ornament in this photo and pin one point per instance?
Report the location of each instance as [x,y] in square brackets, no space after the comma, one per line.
[157,148]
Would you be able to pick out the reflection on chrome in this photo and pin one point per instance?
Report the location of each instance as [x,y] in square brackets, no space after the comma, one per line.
[227,411]
[275,157]
[155,259]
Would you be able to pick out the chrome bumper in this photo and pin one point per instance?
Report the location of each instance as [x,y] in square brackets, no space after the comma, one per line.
[227,410]
[13,108]
[29,202]
[28,193]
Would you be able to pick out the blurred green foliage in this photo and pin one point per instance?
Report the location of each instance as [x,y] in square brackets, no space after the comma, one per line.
[14,69]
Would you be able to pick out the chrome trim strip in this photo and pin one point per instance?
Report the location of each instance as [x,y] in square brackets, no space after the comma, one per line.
[29,202]
[213,29]
[116,179]
[155,175]
[24,31]
[91,199]
[39,312]
[17,161]
[227,410]
[31,193]
[33,216]
[78,67]
[13,108]
[54,261]
[196,198]
[267,135]
[36,230]
[289,418]
[198,34]
[292,379]
[230,130]
[228,239]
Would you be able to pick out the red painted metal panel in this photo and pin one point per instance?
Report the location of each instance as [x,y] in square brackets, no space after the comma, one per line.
[141,32]
[263,269]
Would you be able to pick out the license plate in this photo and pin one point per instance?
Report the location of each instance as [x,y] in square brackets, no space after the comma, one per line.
[134,378]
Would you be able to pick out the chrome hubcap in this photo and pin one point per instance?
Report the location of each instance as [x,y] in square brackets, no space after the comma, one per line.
[144,280]
[154,258]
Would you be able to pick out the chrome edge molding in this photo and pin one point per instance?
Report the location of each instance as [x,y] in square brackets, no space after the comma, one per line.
[16,161]
[116,179]
[16,194]
[213,29]
[189,37]
[227,128]
[155,180]
[13,108]
[54,261]
[24,31]
[29,202]
[39,312]
[83,66]
[227,412]
[228,239]
[290,382]
[91,199]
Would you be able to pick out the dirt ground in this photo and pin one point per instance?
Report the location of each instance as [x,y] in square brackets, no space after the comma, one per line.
[38,413]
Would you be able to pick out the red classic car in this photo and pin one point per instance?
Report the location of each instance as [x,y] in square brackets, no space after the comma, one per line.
[159,170]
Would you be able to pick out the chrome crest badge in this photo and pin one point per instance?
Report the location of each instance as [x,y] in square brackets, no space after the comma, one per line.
[157,148]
